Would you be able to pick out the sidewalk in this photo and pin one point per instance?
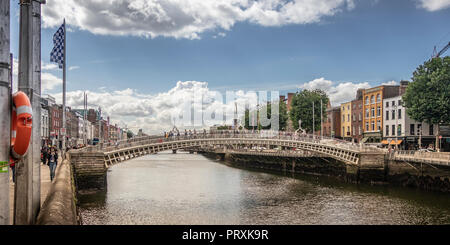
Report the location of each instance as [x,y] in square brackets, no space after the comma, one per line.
[45,186]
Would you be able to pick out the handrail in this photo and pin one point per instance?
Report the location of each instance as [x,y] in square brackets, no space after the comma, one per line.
[225,134]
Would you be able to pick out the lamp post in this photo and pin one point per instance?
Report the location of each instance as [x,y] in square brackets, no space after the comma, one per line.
[396,127]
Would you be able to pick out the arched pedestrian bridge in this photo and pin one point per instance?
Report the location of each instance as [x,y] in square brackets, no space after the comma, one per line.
[97,159]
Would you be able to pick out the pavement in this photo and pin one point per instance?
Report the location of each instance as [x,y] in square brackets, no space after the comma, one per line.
[45,186]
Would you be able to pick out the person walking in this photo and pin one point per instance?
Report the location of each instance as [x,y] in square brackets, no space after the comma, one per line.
[52,163]
[44,156]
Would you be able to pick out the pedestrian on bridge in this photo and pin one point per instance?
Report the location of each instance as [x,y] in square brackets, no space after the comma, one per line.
[52,163]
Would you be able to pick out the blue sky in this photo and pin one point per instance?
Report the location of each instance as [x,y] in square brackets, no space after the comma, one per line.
[358,42]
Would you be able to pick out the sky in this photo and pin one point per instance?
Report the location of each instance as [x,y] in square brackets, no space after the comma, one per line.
[138,59]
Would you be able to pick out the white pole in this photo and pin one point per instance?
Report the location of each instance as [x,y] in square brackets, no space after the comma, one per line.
[313,120]
[24,168]
[64,95]
[321,129]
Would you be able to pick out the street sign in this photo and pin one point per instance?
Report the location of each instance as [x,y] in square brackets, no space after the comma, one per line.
[440,136]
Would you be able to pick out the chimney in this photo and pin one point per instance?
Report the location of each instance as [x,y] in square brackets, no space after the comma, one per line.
[403,86]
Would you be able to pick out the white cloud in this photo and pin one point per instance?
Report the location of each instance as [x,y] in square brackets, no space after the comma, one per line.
[73,68]
[48,80]
[434,5]
[342,92]
[49,66]
[390,83]
[154,113]
[184,18]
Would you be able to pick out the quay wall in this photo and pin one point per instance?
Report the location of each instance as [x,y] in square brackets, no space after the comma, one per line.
[59,208]
[373,169]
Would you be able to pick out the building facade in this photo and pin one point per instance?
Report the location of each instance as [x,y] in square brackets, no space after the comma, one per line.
[373,111]
[401,130]
[346,122]
[357,117]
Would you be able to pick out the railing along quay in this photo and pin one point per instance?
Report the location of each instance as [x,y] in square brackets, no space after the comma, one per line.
[439,158]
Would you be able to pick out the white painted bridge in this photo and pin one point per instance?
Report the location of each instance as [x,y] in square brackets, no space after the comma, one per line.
[284,144]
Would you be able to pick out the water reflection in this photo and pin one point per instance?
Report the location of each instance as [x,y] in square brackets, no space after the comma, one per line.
[192,189]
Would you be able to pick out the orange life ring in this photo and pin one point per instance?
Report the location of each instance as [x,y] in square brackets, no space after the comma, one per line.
[21,125]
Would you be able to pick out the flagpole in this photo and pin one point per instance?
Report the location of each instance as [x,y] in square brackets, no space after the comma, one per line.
[64,95]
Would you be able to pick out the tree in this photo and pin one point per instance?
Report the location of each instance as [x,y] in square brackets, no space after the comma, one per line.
[302,109]
[427,97]
[282,117]
[130,134]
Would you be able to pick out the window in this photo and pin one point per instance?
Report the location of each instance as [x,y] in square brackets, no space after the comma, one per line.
[387,130]
[387,115]
[348,130]
[372,99]
[431,129]
[343,108]
[367,100]
[354,117]
[348,117]
[353,130]
[378,98]
[419,129]
[367,126]
[393,103]
[367,112]
[360,116]
[343,131]
[399,130]
[373,125]
[372,111]
[393,130]
[387,103]
[354,106]
[359,130]
[411,129]
[393,114]
[399,102]
[379,125]
[343,118]
[378,111]
[360,106]
[399,113]
[348,107]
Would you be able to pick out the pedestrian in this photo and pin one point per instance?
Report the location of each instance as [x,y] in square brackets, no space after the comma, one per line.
[52,163]
[12,165]
[44,155]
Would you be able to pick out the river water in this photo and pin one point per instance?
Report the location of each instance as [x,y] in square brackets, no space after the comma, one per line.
[190,189]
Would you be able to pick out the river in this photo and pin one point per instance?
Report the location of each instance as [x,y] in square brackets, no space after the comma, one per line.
[190,189]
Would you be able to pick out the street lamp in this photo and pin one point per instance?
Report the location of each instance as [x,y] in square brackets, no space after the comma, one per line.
[396,127]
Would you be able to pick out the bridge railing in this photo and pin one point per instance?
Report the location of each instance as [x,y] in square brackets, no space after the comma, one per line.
[432,156]
[247,134]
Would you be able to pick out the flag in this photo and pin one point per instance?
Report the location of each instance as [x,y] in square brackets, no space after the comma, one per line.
[57,54]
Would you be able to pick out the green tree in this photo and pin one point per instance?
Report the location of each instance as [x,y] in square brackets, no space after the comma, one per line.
[427,97]
[302,109]
[282,116]
[130,134]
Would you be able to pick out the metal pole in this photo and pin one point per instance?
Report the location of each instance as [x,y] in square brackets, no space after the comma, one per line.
[321,129]
[5,111]
[313,120]
[64,96]
[36,107]
[23,210]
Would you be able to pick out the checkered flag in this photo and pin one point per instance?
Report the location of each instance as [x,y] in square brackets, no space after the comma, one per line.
[57,54]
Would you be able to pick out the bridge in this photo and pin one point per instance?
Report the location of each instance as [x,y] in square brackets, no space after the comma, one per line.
[286,144]
[95,160]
